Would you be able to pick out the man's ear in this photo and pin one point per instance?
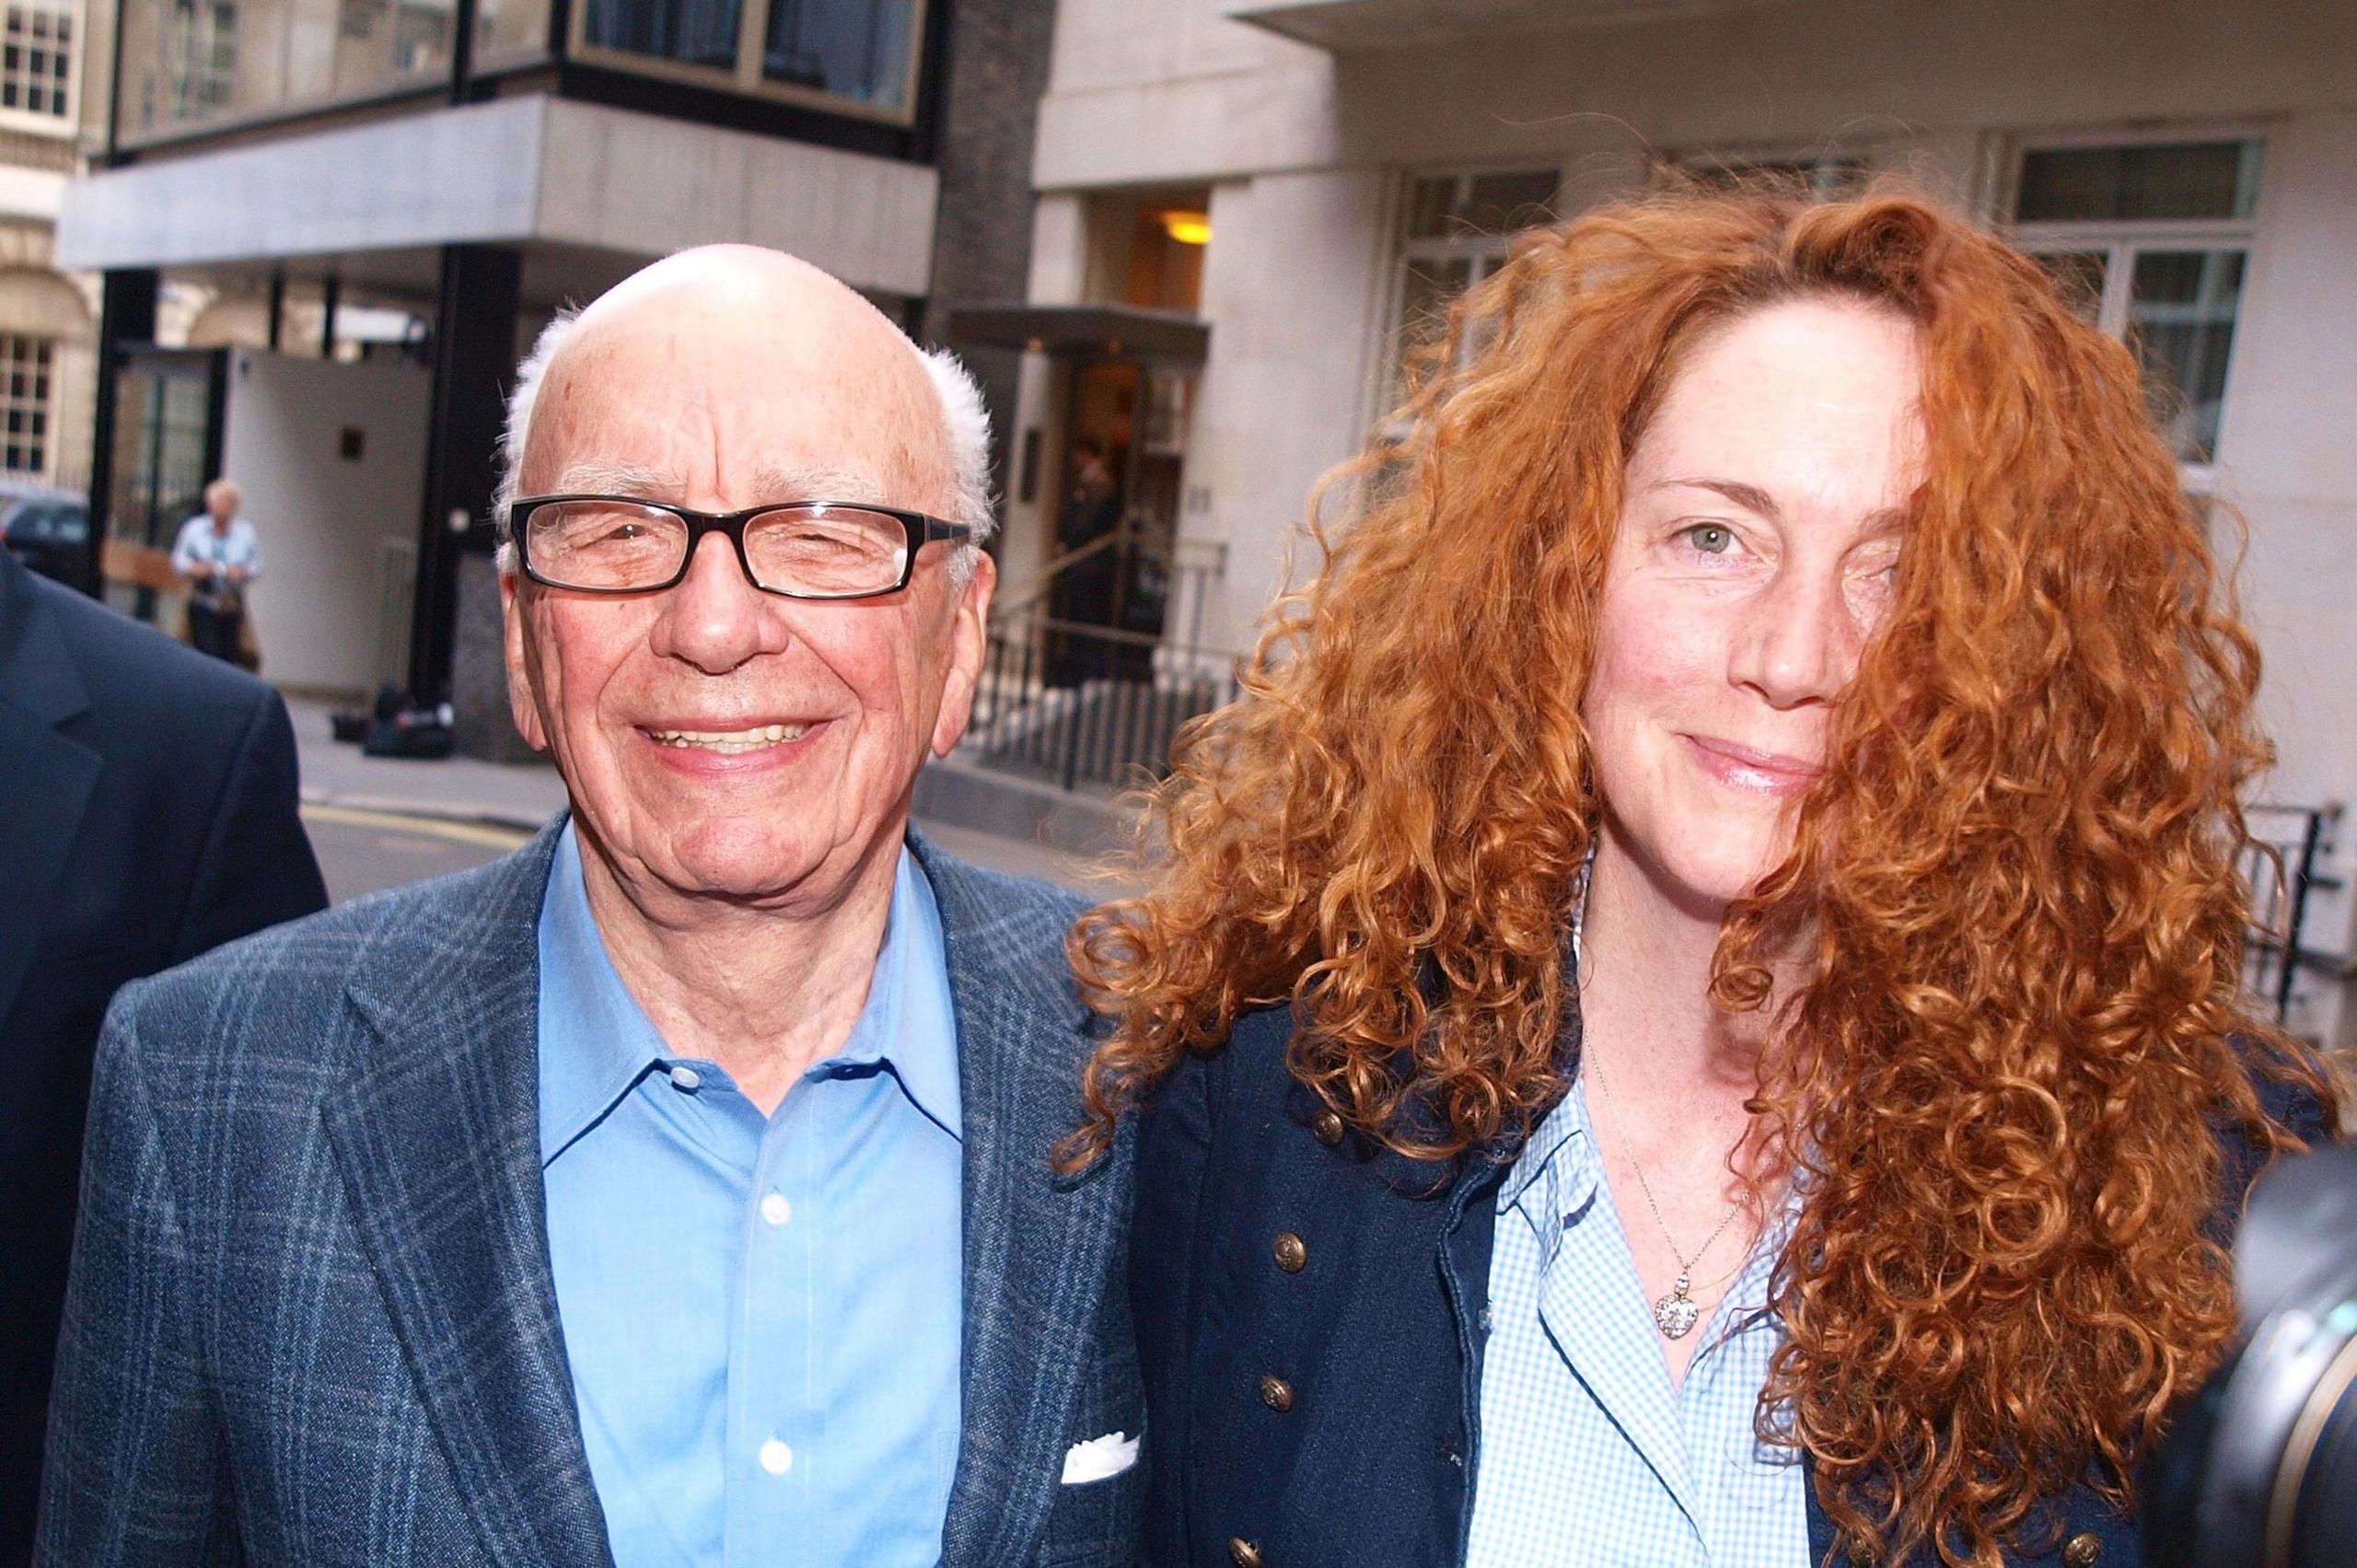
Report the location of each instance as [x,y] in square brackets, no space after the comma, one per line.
[968,646]
[522,701]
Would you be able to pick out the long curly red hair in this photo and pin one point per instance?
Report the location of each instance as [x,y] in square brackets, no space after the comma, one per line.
[2018,1025]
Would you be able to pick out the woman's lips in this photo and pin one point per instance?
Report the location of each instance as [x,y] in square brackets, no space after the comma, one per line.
[1745,767]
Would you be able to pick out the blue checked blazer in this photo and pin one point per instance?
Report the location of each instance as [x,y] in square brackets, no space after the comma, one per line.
[311,1320]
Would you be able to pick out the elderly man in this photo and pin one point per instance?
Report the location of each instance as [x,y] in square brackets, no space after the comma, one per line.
[218,555]
[678,1189]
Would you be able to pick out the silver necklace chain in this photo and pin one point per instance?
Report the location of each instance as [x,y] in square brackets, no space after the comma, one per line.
[1675,1313]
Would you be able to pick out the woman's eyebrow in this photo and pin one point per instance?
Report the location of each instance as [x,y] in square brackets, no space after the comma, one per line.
[1750,497]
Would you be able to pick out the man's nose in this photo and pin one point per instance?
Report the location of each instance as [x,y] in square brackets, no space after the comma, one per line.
[715,619]
[1797,641]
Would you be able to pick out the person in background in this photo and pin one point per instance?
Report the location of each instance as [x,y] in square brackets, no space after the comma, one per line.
[677,1190]
[1693,1011]
[219,557]
[150,815]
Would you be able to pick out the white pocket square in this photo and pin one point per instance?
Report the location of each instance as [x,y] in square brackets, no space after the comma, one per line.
[1099,1458]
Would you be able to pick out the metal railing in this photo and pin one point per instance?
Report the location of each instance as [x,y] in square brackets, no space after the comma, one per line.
[1071,703]
[2283,865]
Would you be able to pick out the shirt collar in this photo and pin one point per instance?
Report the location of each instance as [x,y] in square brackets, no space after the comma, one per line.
[908,1025]
[595,1042]
[1539,1156]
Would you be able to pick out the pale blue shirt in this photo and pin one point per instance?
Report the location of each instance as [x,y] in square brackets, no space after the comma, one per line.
[762,1314]
[1587,1455]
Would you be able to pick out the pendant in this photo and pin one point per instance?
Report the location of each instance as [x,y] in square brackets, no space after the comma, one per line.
[1675,1313]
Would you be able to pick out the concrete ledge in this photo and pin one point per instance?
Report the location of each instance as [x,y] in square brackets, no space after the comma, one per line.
[969,795]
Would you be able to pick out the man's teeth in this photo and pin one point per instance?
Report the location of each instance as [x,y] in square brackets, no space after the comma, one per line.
[734,740]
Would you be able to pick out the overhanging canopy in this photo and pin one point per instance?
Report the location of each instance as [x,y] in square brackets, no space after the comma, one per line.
[1111,331]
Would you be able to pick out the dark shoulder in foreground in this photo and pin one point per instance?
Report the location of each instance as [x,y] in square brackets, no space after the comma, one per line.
[274,990]
[135,672]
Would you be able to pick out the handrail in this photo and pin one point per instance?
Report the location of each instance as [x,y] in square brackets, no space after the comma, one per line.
[1009,606]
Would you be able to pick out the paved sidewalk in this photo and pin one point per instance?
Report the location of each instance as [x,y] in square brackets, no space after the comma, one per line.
[526,794]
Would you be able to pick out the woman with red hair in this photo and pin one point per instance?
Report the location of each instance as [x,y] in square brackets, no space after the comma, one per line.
[1691,1013]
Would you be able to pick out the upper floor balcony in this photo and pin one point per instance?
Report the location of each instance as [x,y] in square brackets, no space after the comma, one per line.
[1346,25]
[199,68]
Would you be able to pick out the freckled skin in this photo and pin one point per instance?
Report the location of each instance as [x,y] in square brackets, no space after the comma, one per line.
[1734,609]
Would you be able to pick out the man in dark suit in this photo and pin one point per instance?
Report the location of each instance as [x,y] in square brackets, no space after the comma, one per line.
[678,1190]
[148,813]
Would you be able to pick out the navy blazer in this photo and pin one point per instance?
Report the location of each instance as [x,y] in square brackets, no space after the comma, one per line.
[148,812]
[1371,1312]
[312,1322]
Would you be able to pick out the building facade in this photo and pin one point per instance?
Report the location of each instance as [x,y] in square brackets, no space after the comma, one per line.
[1247,208]
[328,229]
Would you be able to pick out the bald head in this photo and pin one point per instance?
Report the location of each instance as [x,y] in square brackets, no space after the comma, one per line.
[769,363]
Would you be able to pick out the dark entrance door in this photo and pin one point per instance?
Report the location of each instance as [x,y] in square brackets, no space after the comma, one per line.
[168,430]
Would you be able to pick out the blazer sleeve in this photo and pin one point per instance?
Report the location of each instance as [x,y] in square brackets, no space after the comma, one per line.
[134,1472]
[257,868]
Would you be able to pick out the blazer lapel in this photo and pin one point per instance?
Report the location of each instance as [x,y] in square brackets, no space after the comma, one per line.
[438,1140]
[1038,1248]
[52,774]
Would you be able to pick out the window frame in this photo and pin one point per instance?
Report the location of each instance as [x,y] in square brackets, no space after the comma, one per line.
[65,123]
[1483,252]
[746,80]
[2121,240]
[40,361]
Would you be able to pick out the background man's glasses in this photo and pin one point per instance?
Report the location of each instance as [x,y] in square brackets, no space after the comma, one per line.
[616,544]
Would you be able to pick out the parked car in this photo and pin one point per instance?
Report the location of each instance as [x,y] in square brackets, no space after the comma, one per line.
[48,530]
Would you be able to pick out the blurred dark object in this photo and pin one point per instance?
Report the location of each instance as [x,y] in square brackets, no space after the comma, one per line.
[48,531]
[2261,1469]
[402,730]
[352,725]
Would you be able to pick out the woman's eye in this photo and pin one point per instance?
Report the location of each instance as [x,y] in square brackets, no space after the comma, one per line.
[1711,539]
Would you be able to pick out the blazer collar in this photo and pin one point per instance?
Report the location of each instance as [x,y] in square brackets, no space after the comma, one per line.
[1039,1247]
[52,774]
[437,1137]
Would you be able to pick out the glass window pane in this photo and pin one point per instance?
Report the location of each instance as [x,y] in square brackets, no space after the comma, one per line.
[1425,294]
[1500,204]
[2193,179]
[508,28]
[2182,323]
[853,48]
[2078,277]
[1451,205]
[693,32]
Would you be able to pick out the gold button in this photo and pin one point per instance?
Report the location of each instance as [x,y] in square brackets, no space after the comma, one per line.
[1277,1394]
[1243,1553]
[1289,1252]
[1328,1128]
[2082,1550]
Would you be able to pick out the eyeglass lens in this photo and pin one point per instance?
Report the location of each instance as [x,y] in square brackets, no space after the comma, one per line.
[816,551]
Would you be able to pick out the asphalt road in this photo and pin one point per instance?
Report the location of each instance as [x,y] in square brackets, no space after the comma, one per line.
[362,850]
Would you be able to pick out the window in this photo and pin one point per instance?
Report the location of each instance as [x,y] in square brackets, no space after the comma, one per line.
[2149,242]
[1829,177]
[25,363]
[1458,228]
[859,54]
[36,59]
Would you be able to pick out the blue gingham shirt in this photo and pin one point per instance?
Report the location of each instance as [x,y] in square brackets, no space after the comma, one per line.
[762,1314]
[1587,1455]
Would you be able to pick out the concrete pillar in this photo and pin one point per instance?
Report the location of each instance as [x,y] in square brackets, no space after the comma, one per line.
[474,333]
[126,315]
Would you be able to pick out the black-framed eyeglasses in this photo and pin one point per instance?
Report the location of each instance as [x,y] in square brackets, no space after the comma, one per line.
[620,544]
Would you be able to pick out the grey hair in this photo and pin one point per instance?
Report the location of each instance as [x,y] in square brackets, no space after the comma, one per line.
[965,420]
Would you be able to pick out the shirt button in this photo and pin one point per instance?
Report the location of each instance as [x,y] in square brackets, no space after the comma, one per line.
[1328,1128]
[687,1078]
[775,1209]
[776,1458]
